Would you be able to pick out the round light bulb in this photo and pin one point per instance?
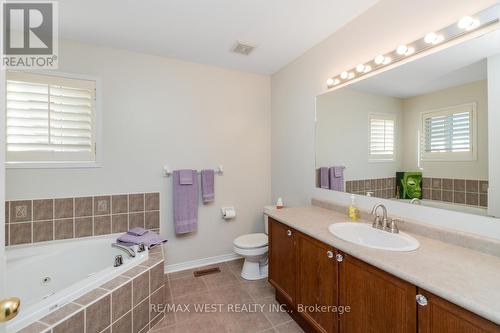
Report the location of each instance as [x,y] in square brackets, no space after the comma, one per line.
[379,59]
[360,68]
[336,81]
[387,60]
[367,68]
[468,23]
[329,82]
[430,37]
[344,75]
[351,75]
[410,51]
[402,49]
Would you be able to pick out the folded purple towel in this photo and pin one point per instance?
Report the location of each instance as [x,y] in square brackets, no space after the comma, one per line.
[150,239]
[186,177]
[207,185]
[137,231]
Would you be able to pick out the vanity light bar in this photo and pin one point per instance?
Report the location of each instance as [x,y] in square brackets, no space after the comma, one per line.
[464,26]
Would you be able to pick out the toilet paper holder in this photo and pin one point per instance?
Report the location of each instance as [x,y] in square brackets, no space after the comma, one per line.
[228,213]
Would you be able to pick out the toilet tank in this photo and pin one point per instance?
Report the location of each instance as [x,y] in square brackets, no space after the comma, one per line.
[266,218]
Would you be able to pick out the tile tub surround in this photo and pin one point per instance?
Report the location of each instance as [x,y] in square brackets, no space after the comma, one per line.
[458,274]
[468,192]
[41,220]
[123,304]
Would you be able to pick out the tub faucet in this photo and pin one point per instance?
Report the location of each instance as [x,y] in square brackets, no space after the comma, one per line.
[128,251]
[376,222]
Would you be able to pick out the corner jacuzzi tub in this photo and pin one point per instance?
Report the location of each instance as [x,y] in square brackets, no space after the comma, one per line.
[47,276]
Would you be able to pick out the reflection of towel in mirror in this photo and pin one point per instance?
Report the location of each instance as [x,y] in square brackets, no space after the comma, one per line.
[337,178]
[324,179]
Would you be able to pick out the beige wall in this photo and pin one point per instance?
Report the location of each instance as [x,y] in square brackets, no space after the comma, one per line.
[294,89]
[160,111]
[414,106]
[342,132]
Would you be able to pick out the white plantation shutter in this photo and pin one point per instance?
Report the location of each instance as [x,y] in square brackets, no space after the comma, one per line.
[449,133]
[382,132]
[50,118]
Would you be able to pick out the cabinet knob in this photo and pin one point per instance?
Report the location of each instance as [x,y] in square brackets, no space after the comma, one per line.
[329,254]
[339,257]
[421,300]
[289,233]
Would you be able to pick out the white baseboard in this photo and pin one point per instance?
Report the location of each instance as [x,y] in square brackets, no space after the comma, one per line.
[200,262]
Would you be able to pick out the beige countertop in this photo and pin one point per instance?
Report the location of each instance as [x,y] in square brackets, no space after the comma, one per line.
[460,275]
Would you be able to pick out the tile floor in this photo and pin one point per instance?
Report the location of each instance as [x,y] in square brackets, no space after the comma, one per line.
[226,288]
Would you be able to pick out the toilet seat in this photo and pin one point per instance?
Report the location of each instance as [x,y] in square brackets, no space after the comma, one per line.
[251,241]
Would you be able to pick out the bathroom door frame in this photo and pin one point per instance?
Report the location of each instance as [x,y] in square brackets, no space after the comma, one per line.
[3,289]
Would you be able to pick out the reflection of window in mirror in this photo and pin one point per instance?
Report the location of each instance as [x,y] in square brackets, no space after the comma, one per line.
[382,132]
[449,134]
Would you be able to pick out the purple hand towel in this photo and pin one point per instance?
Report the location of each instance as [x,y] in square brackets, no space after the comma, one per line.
[337,179]
[137,231]
[150,239]
[207,185]
[186,177]
[324,179]
[185,203]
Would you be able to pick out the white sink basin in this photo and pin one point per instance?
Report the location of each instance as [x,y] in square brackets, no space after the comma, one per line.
[365,235]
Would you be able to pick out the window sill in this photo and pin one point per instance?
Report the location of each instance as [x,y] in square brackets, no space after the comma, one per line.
[51,165]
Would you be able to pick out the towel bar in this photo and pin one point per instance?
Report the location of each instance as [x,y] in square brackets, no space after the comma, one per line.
[167,172]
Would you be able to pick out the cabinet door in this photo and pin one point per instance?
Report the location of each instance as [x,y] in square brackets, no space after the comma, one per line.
[378,301]
[282,266]
[441,316]
[317,284]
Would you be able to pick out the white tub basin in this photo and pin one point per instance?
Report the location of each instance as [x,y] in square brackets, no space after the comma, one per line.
[365,235]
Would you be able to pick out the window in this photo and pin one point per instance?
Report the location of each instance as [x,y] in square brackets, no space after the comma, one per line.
[382,132]
[50,119]
[449,134]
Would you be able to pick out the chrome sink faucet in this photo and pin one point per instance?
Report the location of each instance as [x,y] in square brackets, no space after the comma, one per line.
[376,222]
[384,224]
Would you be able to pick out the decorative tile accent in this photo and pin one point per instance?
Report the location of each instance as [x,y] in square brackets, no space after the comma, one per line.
[21,211]
[54,219]
[102,205]
[103,310]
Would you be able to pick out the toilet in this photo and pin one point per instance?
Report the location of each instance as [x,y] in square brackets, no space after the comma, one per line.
[253,247]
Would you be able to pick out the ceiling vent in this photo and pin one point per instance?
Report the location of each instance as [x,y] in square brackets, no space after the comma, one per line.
[242,48]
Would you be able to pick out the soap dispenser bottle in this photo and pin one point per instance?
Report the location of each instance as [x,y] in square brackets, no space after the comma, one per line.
[352,211]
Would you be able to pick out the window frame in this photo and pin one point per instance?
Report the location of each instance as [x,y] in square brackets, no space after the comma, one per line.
[449,156]
[382,158]
[98,147]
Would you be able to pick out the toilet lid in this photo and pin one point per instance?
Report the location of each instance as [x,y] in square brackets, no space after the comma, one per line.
[251,241]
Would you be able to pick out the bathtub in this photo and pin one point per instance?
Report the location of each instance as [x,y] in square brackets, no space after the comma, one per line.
[47,276]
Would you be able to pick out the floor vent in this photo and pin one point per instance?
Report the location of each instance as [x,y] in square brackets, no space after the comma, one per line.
[206,271]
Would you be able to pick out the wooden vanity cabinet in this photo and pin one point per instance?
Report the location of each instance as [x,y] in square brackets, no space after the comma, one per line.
[378,301]
[317,283]
[282,257]
[439,315]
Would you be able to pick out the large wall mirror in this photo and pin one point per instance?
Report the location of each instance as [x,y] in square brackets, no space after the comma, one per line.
[417,133]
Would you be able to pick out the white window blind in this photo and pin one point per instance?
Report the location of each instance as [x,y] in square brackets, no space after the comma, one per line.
[50,118]
[382,132]
[449,133]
